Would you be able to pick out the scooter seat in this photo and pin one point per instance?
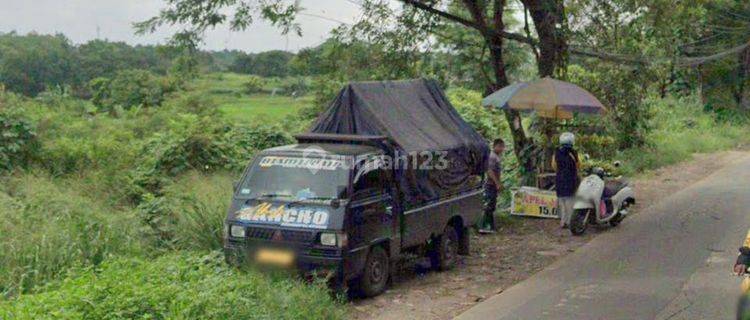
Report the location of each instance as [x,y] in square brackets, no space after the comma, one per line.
[612,187]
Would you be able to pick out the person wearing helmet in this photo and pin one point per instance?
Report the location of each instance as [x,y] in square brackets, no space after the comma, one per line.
[566,164]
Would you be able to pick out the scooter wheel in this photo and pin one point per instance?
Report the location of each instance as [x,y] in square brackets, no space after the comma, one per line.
[616,220]
[743,308]
[579,222]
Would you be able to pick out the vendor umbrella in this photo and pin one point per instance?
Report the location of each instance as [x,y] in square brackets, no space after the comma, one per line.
[548,97]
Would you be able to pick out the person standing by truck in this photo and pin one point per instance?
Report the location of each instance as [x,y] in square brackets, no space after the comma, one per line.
[493,185]
[566,164]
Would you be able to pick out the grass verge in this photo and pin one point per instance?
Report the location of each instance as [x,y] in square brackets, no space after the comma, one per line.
[182,285]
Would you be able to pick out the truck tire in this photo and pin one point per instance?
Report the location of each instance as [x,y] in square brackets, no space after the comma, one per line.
[579,222]
[375,275]
[464,242]
[445,252]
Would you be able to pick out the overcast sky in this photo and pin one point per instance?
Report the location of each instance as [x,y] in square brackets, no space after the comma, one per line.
[79,20]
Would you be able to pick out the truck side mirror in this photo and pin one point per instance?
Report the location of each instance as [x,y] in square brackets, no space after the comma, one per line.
[235,185]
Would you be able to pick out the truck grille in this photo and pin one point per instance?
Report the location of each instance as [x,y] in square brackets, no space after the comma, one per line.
[286,235]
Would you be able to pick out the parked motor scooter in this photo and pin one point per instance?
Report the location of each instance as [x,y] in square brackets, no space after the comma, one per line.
[600,201]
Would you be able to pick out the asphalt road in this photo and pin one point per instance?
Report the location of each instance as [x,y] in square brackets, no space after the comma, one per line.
[671,260]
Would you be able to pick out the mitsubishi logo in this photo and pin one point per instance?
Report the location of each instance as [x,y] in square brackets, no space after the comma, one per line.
[277,236]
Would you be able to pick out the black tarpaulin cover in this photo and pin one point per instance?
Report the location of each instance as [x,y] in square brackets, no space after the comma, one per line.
[419,119]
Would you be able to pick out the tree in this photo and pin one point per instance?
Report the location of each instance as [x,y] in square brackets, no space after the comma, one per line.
[32,63]
[243,63]
[273,63]
[483,17]
[129,89]
[102,58]
[729,26]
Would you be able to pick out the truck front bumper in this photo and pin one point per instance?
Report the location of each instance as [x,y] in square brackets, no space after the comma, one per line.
[309,260]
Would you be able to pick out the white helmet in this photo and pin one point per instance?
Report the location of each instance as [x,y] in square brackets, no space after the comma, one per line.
[567,138]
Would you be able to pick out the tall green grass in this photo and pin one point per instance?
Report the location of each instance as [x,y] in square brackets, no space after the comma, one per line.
[227,89]
[200,202]
[180,285]
[49,226]
[680,128]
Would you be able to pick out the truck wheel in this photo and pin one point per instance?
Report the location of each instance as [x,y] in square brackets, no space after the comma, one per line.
[464,242]
[446,250]
[579,222]
[375,275]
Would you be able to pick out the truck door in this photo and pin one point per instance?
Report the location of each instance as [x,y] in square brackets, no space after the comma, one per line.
[372,206]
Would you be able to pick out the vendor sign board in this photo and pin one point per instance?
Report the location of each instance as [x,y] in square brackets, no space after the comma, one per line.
[533,202]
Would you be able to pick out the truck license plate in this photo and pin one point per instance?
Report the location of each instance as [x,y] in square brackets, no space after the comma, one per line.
[274,257]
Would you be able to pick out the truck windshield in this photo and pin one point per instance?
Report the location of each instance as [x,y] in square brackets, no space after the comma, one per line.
[295,178]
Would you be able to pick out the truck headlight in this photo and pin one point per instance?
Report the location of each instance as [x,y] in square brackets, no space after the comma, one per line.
[333,239]
[237,231]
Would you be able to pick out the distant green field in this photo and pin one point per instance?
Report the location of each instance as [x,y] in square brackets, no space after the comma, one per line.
[227,90]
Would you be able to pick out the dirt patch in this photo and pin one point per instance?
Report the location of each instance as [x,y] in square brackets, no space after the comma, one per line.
[521,247]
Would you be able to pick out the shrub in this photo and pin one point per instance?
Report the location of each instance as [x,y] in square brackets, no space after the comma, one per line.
[623,91]
[17,139]
[596,145]
[128,89]
[295,87]
[176,286]
[253,85]
[488,122]
[324,90]
[252,138]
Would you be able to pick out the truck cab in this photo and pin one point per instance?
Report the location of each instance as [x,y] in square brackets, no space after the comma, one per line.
[335,207]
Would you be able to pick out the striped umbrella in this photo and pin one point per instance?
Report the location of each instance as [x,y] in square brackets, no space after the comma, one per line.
[548,97]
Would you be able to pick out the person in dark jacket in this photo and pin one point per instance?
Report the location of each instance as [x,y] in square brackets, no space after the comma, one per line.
[743,259]
[566,165]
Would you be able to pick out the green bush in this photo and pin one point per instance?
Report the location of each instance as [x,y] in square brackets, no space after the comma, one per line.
[176,286]
[596,145]
[191,143]
[252,138]
[324,90]
[295,87]
[623,91]
[17,139]
[253,85]
[129,89]
[488,122]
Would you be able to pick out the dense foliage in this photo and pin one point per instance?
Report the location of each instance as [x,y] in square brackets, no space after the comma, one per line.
[128,89]
[32,63]
[17,137]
